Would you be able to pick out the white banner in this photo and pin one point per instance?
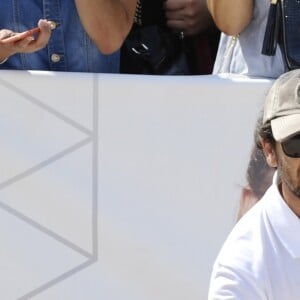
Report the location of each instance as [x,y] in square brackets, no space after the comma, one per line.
[119,187]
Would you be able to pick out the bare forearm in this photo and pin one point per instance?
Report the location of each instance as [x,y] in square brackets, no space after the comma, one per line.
[107,21]
[231,16]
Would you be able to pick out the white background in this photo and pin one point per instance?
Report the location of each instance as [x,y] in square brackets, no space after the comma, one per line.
[119,187]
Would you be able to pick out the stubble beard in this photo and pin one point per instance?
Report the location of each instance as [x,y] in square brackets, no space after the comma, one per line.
[285,176]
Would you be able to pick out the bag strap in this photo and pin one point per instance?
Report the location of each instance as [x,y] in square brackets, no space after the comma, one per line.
[272,29]
[138,13]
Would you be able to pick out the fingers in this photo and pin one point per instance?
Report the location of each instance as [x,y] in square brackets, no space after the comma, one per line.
[21,46]
[6,45]
[25,42]
[5,33]
[43,37]
[34,39]
[171,5]
[189,16]
[14,37]
[183,20]
[182,15]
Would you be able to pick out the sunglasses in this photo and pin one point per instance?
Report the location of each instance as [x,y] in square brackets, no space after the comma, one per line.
[291,147]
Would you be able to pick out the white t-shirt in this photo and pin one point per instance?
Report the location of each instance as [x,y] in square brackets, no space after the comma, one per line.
[242,55]
[261,257]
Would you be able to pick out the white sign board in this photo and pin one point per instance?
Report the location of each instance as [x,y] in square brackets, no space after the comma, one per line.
[119,187]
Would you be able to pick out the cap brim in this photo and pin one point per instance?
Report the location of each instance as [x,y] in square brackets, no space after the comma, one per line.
[285,127]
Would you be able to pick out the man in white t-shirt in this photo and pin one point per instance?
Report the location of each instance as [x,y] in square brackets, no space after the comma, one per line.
[261,257]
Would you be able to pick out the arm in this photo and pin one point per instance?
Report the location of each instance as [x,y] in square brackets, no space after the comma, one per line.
[191,16]
[231,16]
[107,22]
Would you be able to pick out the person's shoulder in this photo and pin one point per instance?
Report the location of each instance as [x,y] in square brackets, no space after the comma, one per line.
[240,270]
[244,245]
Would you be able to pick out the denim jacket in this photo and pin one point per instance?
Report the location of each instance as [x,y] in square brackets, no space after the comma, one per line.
[69,48]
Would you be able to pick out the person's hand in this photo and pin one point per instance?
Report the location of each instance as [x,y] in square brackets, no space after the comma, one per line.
[13,42]
[188,16]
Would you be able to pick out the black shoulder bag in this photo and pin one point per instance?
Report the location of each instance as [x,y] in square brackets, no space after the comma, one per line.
[151,48]
[283,28]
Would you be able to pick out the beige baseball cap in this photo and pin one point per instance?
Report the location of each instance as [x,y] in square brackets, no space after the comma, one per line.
[282,106]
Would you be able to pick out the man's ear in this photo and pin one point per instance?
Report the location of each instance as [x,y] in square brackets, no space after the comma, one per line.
[270,154]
